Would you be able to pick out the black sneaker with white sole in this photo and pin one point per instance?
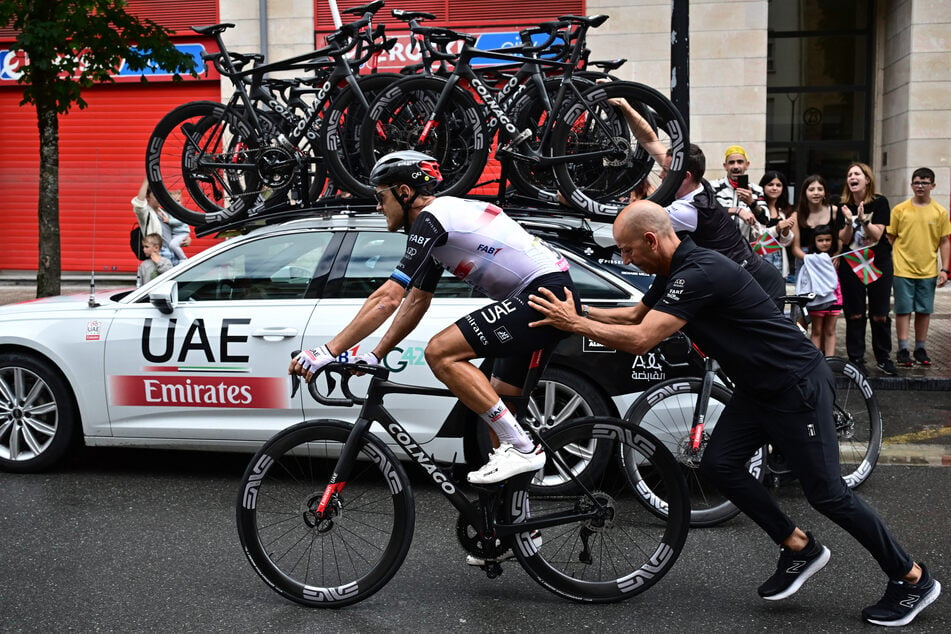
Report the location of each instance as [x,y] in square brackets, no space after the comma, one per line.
[887,367]
[794,568]
[903,601]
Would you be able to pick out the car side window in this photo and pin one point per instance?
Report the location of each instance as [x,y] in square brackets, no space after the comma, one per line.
[591,286]
[375,254]
[273,267]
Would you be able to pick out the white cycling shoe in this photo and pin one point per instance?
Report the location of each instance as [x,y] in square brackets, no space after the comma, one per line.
[507,461]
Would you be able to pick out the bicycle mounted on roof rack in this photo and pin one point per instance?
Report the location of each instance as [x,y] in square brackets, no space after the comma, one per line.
[540,218]
[229,166]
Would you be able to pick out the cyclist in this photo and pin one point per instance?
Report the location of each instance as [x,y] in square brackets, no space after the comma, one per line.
[478,243]
[784,395]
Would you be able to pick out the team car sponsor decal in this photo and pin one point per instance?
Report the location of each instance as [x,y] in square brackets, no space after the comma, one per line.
[93,330]
[195,391]
[396,360]
[193,354]
[590,345]
[158,349]
[646,367]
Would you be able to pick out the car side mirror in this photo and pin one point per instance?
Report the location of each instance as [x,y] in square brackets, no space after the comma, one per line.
[165,297]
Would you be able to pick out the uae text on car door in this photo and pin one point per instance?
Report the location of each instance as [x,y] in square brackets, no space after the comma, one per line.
[212,364]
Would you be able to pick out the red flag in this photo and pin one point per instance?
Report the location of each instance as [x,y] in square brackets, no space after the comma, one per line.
[862,262]
[766,244]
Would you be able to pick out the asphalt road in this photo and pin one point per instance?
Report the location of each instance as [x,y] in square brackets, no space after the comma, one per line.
[144,541]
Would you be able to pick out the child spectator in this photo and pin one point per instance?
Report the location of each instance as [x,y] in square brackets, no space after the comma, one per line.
[154,263]
[919,227]
[818,275]
[180,232]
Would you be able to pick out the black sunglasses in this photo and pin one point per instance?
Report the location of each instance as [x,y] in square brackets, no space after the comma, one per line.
[378,194]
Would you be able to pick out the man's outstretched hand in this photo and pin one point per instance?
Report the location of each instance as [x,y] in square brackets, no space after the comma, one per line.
[558,313]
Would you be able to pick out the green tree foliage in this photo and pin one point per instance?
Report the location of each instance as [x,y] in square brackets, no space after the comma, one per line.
[71,45]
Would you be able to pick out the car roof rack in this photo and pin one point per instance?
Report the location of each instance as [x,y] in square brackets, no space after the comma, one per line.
[540,216]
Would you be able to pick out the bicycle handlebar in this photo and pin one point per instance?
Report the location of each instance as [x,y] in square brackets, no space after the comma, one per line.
[346,371]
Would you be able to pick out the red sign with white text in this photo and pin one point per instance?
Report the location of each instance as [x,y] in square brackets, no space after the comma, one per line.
[199,391]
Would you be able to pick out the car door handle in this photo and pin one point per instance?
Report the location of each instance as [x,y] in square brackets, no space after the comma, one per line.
[275,334]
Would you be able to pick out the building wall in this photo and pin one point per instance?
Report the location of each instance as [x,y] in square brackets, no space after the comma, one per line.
[912,104]
[916,95]
[289,30]
[727,66]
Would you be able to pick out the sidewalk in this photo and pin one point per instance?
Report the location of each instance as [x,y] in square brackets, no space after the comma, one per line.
[937,376]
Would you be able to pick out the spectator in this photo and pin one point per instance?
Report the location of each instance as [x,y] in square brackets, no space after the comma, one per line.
[919,227]
[696,212]
[153,219]
[742,199]
[818,276]
[154,263]
[867,214]
[815,208]
[780,218]
[180,232]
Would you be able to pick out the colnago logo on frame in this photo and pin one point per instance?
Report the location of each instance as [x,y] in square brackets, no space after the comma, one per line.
[193,391]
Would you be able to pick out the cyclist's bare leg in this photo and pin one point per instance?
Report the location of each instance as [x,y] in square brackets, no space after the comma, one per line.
[448,355]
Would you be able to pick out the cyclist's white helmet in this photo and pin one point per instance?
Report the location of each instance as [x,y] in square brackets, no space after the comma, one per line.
[419,171]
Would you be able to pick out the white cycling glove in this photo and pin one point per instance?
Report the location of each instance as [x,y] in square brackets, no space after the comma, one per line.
[369,358]
[314,360]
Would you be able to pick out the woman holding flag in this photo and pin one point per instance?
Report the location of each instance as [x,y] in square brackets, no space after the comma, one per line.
[777,233]
[867,280]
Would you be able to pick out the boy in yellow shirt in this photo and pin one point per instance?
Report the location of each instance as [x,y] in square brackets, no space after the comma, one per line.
[919,228]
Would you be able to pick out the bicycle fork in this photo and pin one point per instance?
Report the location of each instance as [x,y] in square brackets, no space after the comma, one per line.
[700,409]
[323,508]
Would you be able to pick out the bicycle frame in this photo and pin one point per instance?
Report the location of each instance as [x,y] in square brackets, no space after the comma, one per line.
[532,68]
[373,410]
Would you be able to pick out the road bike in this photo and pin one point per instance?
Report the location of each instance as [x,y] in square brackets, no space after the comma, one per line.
[545,118]
[683,413]
[326,514]
[276,141]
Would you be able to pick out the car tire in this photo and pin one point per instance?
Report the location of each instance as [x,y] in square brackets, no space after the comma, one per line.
[37,414]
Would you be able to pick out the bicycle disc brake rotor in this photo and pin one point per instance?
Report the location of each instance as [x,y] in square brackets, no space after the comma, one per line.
[687,456]
[469,538]
[605,519]
[326,522]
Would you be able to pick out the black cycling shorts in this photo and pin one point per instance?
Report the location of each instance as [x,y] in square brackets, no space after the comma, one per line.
[501,331]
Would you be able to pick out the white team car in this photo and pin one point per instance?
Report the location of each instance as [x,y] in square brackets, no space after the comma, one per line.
[197,358]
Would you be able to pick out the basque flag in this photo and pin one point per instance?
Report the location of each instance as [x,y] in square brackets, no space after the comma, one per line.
[862,262]
[766,244]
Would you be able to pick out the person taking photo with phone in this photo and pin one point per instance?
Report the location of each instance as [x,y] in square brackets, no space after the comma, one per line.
[744,201]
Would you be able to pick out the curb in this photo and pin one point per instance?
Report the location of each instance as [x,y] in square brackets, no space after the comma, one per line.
[911,383]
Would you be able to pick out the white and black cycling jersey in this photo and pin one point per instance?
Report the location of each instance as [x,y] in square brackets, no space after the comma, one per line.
[478,243]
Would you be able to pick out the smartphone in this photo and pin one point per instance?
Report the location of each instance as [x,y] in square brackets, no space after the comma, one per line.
[743,181]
